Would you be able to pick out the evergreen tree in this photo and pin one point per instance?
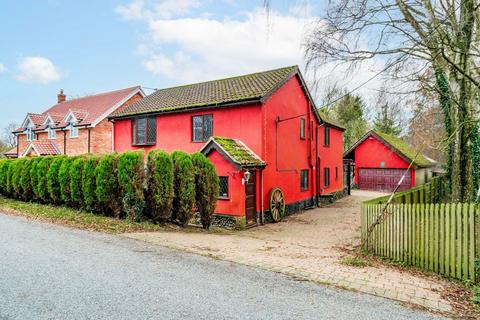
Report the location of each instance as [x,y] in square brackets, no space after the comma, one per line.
[385,122]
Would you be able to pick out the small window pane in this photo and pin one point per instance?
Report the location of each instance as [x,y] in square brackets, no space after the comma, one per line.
[197,128]
[326,177]
[202,127]
[304,180]
[326,136]
[152,130]
[223,187]
[141,130]
[302,128]
[207,126]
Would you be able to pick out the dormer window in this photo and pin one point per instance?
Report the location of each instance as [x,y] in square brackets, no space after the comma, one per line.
[52,134]
[71,127]
[31,134]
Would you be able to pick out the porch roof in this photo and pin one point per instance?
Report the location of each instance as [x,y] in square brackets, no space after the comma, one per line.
[234,150]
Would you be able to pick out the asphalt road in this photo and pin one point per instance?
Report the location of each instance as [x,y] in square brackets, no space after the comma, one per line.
[51,272]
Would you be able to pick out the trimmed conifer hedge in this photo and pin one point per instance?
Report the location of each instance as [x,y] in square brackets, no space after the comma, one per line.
[166,188]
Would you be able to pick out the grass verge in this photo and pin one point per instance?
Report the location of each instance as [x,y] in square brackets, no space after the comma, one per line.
[76,218]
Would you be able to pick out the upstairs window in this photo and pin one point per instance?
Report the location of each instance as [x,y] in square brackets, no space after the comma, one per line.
[202,127]
[52,134]
[73,130]
[303,180]
[31,134]
[223,181]
[326,137]
[302,128]
[144,131]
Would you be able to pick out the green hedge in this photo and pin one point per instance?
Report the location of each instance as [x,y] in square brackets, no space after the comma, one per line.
[166,188]
[160,188]
[184,186]
[131,178]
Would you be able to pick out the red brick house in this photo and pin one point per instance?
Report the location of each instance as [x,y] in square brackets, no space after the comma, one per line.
[380,161]
[73,127]
[272,149]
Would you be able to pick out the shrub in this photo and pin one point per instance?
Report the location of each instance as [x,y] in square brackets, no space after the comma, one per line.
[160,189]
[76,173]
[17,174]
[206,188]
[3,176]
[65,179]
[25,180]
[34,177]
[53,181]
[184,186]
[131,177]
[43,172]
[88,183]
[9,179]
[106,181]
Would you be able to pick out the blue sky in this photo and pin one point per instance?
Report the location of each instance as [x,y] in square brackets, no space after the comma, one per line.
[91,46]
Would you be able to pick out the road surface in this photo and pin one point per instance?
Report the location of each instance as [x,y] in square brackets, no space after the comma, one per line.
[52,272]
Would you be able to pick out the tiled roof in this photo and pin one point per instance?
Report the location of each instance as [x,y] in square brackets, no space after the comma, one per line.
[399,146]
[249,87]
[87,109]
[235,150]
[325,118]
[44,148]
[11,153]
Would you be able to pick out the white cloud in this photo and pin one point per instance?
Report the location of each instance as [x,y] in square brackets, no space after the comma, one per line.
[37,70]
[2,68]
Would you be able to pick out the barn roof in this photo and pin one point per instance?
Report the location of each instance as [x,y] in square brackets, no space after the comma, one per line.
[399,146]
[250,88]
[234,150]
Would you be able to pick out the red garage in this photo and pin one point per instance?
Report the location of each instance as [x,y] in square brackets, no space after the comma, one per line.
[381,160]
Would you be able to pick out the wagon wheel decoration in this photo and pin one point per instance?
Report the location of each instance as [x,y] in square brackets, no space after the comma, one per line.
[277,204]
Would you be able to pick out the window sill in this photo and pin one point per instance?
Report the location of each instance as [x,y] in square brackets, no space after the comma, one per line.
[223,198]
[303,190]
[199,141]
[144,144]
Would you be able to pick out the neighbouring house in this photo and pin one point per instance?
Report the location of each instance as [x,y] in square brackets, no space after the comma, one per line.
[73,127]
[380,161]
[269,144]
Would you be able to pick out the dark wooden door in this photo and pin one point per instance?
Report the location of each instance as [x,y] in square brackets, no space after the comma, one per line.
[386,180]
[250,199]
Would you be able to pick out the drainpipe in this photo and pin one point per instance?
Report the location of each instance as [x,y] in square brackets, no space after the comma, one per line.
[262,216]
[89,135]
[64,141]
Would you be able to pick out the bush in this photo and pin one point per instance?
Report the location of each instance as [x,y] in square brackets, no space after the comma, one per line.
[17,175]
[88,183]
[53,181]
[34,177]
[43,172]
[106,181]
[25,180]
[206,188]
[3,176]
[160,189]
[65,179]
[9,179]
[131,177]
[76,173]
[184,186]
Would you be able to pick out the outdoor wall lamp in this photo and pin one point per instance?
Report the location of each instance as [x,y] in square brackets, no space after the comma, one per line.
[246,176]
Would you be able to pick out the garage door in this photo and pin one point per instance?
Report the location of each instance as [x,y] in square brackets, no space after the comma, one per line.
[379,179]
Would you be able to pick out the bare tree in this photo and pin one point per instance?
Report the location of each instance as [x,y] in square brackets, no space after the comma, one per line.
[8,138]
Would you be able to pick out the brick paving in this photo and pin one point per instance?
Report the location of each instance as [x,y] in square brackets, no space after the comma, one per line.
[309,246]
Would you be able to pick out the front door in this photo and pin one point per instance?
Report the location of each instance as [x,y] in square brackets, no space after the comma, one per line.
[250,199]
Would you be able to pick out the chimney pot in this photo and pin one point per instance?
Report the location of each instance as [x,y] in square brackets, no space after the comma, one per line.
[61,96]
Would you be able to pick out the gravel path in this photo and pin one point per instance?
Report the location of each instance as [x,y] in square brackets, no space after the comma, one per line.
[51,272]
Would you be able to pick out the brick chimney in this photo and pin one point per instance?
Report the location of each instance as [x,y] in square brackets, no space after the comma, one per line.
[61,96]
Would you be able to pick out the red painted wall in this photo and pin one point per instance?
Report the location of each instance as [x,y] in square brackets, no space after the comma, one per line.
[279,145]
[332,159]
[372,152]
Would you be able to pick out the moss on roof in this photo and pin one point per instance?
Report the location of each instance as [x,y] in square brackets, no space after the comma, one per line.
[326,118]
[211,93]
[238,151]
[405,149]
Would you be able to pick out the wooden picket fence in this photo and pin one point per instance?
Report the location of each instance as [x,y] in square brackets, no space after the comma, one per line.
[442,238]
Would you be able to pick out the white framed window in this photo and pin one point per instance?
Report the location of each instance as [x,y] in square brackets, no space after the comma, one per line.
[73,131]
[52,134]
[31,134]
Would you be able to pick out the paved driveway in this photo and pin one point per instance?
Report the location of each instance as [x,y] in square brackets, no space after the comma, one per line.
[311,246]
[51,272]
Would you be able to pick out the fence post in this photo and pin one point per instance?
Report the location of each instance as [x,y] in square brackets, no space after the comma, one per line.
[477,245]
